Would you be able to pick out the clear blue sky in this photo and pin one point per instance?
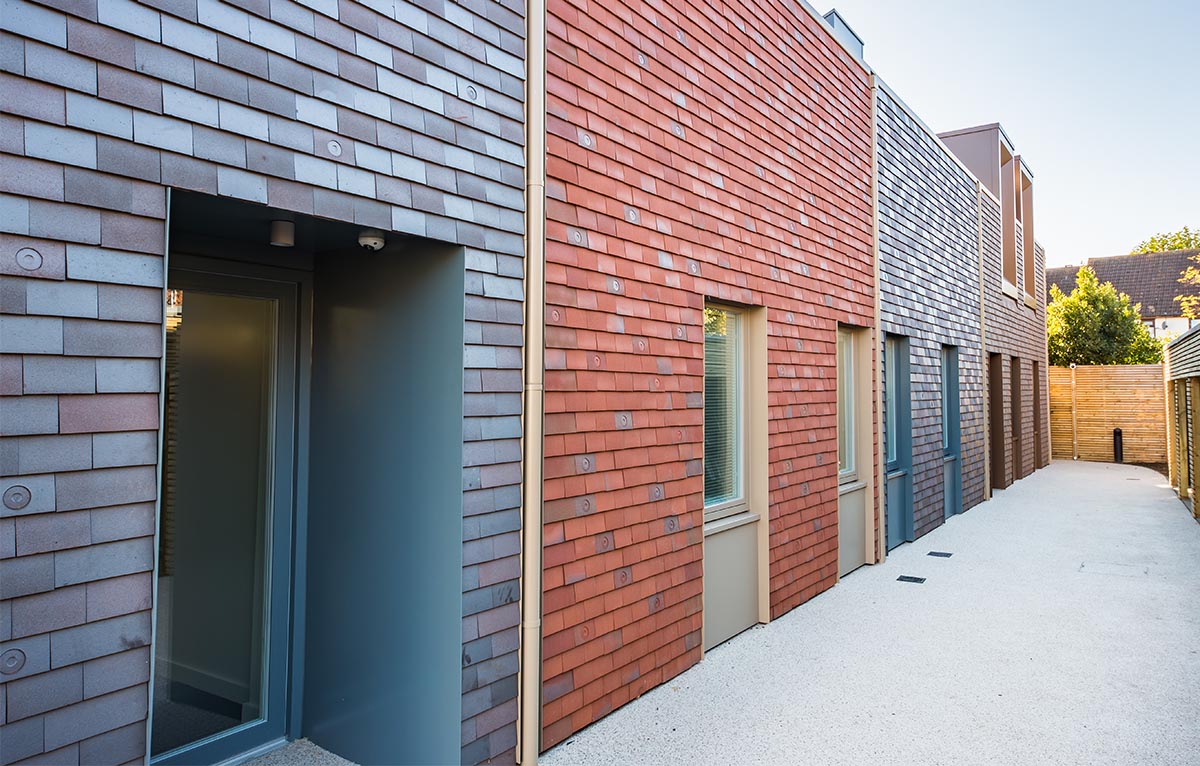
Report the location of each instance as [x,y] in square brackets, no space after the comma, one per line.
[1101,98]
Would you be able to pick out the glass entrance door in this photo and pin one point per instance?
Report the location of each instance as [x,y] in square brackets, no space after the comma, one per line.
[226,522]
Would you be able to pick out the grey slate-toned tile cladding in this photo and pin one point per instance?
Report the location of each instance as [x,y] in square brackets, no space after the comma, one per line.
[1012,329]
[107,103]
[929,293]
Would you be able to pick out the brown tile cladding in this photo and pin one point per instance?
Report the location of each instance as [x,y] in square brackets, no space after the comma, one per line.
[1013,329]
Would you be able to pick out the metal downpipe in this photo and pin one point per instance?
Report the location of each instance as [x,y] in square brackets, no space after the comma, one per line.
[529,707]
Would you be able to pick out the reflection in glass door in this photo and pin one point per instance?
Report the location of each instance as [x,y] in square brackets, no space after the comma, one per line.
[224,544]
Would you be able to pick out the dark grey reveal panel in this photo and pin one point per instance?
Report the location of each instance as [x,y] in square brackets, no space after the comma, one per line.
[384,617]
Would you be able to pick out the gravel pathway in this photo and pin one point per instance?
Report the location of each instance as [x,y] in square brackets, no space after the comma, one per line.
[302,752]
[1065,629]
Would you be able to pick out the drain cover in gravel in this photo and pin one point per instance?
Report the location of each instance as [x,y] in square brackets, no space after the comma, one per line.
[1114,570]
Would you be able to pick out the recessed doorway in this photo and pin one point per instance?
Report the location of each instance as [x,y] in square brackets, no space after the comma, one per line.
[309,571]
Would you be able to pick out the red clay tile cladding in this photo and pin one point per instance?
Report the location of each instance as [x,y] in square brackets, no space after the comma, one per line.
[696,151]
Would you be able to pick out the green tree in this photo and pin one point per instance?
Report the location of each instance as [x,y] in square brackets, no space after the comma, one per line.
[1184,239]
[1095,324]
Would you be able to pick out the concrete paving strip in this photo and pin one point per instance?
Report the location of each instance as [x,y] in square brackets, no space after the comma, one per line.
[1064,629]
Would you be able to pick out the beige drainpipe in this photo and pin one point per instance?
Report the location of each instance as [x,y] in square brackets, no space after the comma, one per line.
[529,718]
[984,364]
[878,338]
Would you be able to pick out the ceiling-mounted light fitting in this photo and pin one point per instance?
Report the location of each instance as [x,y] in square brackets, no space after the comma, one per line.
[370,239]
[283,233]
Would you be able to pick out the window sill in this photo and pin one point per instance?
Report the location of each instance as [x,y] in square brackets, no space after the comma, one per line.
[851,486]
[1009,289]
[729,522]
[1030,302]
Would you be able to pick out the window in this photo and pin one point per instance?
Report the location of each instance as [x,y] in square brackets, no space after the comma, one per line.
[724,413]
[1010,213]
[891,403]
[950,400]
[845,406]
[1026,218]
[945,400]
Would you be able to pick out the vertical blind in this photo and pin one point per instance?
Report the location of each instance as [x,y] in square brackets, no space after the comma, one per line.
[722,406]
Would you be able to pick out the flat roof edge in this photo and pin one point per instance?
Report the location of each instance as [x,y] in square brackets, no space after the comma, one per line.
[973,129]
[1008,142]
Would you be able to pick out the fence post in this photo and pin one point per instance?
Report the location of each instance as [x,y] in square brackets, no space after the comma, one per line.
[1074,419]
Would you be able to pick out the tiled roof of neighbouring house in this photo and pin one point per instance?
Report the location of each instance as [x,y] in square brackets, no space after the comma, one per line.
[1151,279]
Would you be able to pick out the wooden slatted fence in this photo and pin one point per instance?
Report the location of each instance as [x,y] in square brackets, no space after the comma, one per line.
[1083,414]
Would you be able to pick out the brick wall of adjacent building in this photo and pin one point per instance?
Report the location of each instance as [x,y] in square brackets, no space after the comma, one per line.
[107,105]
[695,151]
[1013,329]
[929,293]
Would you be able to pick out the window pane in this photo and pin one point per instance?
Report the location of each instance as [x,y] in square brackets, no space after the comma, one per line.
[947,393]
[213,544]
[845,401]
[891,363]
[722,406]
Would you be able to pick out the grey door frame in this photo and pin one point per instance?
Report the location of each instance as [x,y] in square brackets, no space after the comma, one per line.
[997,448]
[899,470]
[284,624]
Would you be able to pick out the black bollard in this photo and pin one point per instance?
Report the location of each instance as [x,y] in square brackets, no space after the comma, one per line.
[1118,447]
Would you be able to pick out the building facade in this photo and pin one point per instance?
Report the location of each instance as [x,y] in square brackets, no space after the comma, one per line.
[710,320]
[209,443]
[1012,284]
[1149,279]
[930,314]
[266,273]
